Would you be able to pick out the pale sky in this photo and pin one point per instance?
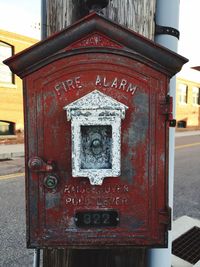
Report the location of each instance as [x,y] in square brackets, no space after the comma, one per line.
[23,17]
[189,24]
[20,16]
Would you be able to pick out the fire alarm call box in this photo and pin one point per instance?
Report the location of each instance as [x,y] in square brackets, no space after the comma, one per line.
[97,116]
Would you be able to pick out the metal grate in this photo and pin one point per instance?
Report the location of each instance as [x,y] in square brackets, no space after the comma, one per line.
[187,246]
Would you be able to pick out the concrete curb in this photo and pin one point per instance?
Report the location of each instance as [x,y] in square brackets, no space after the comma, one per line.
[11,165]
[11,151]
[187,133]
[11,155]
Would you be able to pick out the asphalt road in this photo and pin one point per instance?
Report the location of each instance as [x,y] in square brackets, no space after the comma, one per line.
[13,252]
[187,177]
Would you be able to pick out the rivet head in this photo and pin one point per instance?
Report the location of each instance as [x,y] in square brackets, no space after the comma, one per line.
[50,181]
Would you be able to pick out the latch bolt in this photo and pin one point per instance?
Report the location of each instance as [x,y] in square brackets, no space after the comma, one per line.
[36,164]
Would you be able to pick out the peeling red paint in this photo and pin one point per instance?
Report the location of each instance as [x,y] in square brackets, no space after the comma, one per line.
[134,75]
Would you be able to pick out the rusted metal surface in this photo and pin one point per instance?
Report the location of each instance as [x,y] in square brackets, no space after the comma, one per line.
[129,209]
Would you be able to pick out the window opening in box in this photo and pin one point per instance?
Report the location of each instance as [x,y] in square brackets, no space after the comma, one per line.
[96,147]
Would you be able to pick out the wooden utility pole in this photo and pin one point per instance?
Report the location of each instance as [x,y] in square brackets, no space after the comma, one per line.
[137,15]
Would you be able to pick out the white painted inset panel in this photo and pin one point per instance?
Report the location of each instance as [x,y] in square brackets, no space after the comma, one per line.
[96,136]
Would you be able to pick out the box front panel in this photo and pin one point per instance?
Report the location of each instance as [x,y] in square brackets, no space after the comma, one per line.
[124,210]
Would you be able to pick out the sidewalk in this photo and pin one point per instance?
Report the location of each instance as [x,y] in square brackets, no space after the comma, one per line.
[11,159]
[187,133]
[11,151]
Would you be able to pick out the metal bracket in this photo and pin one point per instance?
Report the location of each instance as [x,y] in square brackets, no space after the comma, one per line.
[166,108]
[167,30]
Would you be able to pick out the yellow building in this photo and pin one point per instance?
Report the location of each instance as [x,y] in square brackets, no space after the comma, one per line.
[188,103]
[11,101]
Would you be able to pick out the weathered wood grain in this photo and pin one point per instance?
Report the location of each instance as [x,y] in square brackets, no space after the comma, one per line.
[62,13]
[137,15]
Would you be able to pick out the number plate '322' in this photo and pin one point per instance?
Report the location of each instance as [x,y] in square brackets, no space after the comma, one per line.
[97,218]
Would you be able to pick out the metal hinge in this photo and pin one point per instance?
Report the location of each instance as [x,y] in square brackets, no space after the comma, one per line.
[165,217]
[167,109]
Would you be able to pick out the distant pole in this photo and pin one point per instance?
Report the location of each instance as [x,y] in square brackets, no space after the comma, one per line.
[167,14]
[43,19]
[137,15]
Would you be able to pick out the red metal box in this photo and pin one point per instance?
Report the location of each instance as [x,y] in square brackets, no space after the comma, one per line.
[97,114]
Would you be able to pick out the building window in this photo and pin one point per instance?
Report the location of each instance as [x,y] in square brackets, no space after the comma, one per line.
[195,96]
[183,93]
[7,128]
[181,124]
[6,51]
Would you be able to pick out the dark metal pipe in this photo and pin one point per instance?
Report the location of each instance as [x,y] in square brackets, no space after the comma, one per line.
[43,19]
[36,258]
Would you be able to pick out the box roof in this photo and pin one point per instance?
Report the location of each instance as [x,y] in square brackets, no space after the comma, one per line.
[119,40]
